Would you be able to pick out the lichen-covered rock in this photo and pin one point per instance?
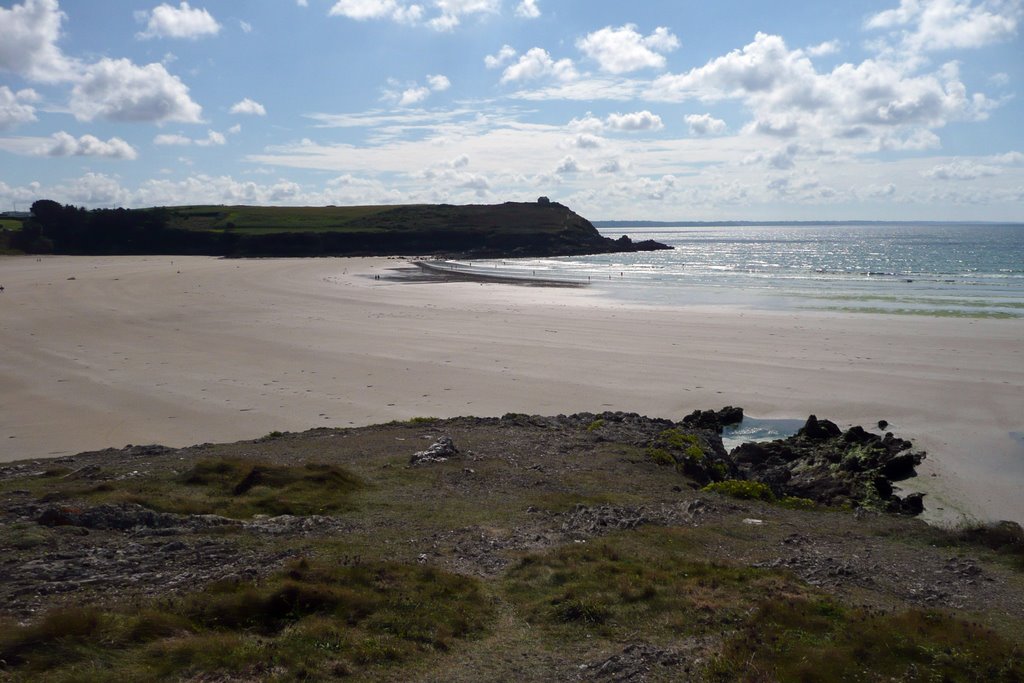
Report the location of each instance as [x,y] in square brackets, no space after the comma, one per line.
[832,467]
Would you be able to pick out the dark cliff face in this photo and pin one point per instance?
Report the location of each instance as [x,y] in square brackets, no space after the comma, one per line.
[498,230]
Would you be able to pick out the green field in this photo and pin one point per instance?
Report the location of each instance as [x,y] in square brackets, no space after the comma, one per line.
[264,219]
[10,224]
[508,218]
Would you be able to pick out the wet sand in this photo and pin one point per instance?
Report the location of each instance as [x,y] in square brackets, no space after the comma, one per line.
[107,351]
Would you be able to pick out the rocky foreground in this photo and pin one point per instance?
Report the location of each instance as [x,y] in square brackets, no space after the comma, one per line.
[583,547]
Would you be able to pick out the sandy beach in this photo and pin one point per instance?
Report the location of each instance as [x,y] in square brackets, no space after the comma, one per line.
[108,351]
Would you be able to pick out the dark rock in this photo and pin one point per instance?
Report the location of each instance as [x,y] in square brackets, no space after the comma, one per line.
[912,504]
[882,424]
[819,429]
[832,467]
[713,420]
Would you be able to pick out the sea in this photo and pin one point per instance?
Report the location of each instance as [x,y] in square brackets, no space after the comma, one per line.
[971,270]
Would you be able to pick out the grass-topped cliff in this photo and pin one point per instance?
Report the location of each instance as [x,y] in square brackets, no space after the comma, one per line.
[525,548]
[540,228]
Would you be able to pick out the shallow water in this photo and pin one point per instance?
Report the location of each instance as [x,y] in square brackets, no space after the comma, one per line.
[955,270]
[758,429]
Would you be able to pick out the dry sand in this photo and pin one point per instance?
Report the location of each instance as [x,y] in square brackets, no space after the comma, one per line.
[108,351]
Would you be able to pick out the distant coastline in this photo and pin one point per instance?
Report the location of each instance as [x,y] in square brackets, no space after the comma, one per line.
[739,224]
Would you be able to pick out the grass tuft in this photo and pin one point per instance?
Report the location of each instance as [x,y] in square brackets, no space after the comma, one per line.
[309,621]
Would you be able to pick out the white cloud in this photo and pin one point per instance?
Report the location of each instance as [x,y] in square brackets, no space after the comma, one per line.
[1001,79]
[623,49]
[362,10]
[29,45]
[638,120]
[438,82]
[960,170]
[167,21]
[876,104]
[212,139]
[16,107]
[235,129]
[172,139]
[452,11]
[302,3]
[704,124]
[527,9]
[413,95]
[537,63]
[1008,158]
[567,165]
[830,47]
[587,141]
[248,106]
[245,26]
[946,24]
[506,54]
[589,123]
[118,90]
[63,144]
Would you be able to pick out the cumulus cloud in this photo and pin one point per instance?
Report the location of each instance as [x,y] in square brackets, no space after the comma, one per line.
[587,141]
[830,47]
[118,90]
[415,93]
[64,144]
[438,82]
[16,107]
[248,106]
[567,165]
[29,46]
[452,11]
[623,49]
[506,54]
[638,120]
[874,105]
[960,170]
[929,25]
[527,9]
[704,124]
[362,10]
[537,63]
[167,21]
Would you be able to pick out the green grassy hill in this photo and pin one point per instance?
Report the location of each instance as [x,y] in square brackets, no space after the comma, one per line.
[539,228]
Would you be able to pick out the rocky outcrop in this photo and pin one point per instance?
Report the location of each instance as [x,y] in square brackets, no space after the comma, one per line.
[440,451]
[715,420]
[831,467]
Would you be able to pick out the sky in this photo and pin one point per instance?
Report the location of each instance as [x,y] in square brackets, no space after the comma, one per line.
[655,110]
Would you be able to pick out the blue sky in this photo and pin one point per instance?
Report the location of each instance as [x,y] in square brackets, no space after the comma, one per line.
[660,109]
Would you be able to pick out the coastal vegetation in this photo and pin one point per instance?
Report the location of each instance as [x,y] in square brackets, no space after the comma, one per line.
[509,229]
[537,548]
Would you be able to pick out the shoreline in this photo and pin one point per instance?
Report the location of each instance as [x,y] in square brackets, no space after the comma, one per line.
[106,351]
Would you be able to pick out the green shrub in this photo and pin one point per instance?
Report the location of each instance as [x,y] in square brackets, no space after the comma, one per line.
[797,503]
[740,488]
[309,621]
[595,425]
[660,456]
[800,640]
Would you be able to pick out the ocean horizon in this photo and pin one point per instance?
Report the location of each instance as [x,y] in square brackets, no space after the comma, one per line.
[971,270]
